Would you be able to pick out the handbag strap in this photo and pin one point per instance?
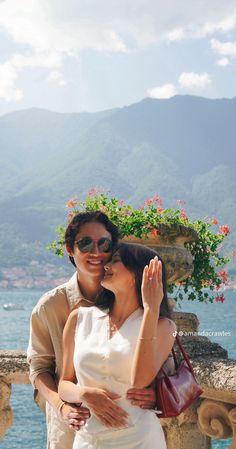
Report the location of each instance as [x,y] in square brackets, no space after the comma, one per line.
[175,359]
[185,356]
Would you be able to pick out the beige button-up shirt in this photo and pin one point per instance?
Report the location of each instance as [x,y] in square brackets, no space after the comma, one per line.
[45,349]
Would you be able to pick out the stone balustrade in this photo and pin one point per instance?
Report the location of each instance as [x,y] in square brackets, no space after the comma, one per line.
[212,416]
[13,370]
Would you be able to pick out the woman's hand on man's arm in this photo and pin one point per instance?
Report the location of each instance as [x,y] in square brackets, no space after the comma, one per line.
[75,416]
[142,397]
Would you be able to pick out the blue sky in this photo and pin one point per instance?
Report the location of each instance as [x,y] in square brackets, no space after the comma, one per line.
[90,55]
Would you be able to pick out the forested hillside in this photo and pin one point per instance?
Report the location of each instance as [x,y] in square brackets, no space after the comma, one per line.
[181,148]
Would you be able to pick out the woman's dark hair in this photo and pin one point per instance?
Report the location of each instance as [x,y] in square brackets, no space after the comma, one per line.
[135,257]
[88,217]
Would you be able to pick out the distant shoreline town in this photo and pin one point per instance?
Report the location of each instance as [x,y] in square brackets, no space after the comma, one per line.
[32,278]
[42,277]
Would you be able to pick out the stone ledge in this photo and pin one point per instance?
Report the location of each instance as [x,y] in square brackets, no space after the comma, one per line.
[14,367]
[199,347]
[217,378]
[213,375]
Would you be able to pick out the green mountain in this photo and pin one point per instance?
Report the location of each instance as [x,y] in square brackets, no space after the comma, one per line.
[181,148]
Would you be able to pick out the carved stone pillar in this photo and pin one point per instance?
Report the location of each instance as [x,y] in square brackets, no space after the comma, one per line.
[13,369]
[183,432]
[218,420]
[6,414]
[232,418]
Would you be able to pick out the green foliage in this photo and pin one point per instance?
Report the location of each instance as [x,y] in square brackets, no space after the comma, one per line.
[150,220]
[58,244]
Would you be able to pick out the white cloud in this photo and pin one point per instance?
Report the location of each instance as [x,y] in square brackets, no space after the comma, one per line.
[176,34]
[27,22]
[8,76]
[187,80]
[198,30]
[70,26]
[9,72]
[224,48]
[223,26]
[165,91]
[191,80]
[33,23]
[47,31]
[57,78]
[223,62]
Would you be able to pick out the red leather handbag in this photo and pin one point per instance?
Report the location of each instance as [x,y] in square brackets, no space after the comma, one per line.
[176,392]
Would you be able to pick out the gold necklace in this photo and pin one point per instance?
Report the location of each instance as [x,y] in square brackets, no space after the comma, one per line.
[113,326]
[88,301]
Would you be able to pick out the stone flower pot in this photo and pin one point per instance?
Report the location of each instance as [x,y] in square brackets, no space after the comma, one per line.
[170,245]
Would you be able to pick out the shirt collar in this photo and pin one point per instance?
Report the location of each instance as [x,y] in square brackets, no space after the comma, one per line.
[75,296]
[73,292]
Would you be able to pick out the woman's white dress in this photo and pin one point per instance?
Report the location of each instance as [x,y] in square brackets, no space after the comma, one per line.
[105,362]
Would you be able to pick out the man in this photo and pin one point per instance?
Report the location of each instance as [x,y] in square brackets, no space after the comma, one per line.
[89,238]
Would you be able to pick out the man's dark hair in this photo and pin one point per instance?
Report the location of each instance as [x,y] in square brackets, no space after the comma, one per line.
[135,257]
[82,218]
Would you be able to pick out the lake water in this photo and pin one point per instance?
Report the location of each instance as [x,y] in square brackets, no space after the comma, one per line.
[28,430]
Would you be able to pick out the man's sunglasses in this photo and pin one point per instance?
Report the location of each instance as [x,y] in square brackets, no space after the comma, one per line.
[86,244]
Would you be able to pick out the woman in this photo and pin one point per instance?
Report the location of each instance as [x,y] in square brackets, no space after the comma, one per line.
[116,345]
[89,238]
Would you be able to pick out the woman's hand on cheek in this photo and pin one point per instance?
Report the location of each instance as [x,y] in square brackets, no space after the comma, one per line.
[152,287]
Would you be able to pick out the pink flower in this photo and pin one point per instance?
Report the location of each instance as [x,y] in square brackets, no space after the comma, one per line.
[148,202]
[93,191]
[224,229]
[71,203]
[214,221]
[154,232]
[160,210]
[220,298]
[224,275]
[157,199]
[183,214]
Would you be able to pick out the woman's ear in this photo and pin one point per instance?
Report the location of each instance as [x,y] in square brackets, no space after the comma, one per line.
[69,251]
